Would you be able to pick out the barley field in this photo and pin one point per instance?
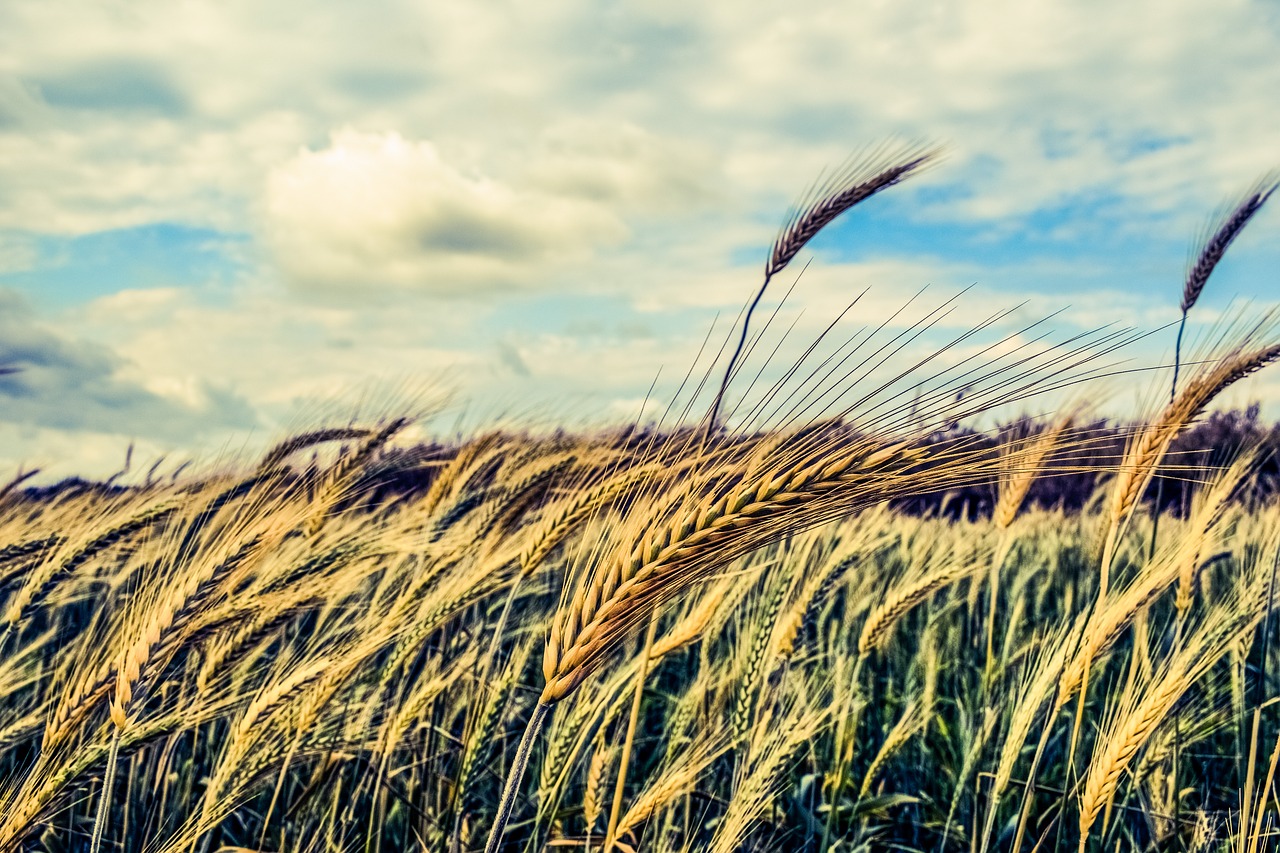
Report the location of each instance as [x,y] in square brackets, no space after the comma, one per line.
[848,623]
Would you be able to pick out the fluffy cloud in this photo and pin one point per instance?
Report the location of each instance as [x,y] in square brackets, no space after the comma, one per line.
[375,210]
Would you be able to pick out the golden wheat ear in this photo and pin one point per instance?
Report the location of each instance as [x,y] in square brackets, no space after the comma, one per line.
[1223,230]
[1214,242]
[862,176]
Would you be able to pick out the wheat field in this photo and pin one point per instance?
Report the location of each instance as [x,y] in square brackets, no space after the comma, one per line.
[692,637]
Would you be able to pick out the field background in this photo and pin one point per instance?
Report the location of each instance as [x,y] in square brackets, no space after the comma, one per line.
[339,647]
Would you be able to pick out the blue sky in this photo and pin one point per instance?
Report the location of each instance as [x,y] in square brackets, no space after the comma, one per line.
[219,221]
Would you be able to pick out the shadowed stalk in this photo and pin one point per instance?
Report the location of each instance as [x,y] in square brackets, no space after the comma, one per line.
[849,713]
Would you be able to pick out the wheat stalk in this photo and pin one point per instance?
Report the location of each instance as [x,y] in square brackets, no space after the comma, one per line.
[1153,441]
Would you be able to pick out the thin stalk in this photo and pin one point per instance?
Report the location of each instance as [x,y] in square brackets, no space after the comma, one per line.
[1177,358]
[615,811]
[1261,689]
[1177,742]
[108,780]
[733,359]
[516,775]
[997,562]
[838,787]
[1025,810]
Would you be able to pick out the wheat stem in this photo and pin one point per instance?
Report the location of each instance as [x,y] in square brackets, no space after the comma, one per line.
[620,784]
[515,775]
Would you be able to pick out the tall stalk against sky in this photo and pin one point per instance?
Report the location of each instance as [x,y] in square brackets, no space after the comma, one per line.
[862,177]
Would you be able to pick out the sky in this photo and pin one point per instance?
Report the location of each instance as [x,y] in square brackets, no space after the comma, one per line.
[223,221]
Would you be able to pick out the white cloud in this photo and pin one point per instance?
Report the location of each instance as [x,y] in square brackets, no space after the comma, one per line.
[374,210]
[624,168]
[1041,102]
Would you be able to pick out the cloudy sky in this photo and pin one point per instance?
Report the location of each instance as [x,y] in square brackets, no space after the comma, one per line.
[220,219]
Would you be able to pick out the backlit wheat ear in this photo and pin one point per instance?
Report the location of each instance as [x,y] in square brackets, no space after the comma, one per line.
[567,516]
[1213,505]
[43,580]
[880,624]
[338,478]
[689,629]
[1024,465]
[194,594]
[459,469]
[1179,562]
[1228,226]
[759,786]
[669,556]
[914,718]
[1025,705]
[677,780]
[863,177]
[1213,246]
[282,451]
